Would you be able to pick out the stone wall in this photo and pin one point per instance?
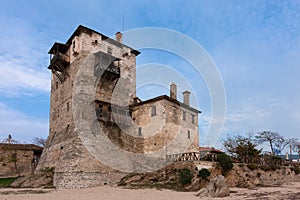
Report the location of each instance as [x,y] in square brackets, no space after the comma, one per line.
[16,162]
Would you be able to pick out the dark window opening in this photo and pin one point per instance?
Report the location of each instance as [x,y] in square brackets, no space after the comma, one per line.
[68,106]
[193,119]
[56,84]
[73,45]
[109,50]
[189,134]
[153,111]
[140,131]
[184,115]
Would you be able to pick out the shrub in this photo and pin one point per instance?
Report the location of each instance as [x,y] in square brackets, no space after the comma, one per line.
[185,176]
[296,169]
[48,169]
[225,163]
[204,173]
[252,167]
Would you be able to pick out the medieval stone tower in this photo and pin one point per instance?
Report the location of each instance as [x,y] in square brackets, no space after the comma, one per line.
[77,152]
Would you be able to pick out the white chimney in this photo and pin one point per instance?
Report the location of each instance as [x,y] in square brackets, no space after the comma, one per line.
[119,36]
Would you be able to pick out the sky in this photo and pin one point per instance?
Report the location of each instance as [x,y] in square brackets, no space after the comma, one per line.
[255,46]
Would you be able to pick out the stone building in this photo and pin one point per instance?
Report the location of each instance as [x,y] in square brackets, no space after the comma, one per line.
[93,94]
[18,159]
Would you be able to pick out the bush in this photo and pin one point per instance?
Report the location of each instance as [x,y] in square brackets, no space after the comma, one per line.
[296,170]
[185,176]
[204,173]
[252,167]
[225,163]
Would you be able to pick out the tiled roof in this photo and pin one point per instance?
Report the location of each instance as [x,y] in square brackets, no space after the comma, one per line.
[210,149]
[20,147]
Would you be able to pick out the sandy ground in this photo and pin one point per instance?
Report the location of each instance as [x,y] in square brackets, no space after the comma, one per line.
[287,191]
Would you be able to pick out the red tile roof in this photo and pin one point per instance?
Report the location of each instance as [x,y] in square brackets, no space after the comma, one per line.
[210,149]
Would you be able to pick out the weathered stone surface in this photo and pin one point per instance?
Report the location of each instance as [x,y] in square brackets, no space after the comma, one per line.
[73,146]
[216,188]
[242,176]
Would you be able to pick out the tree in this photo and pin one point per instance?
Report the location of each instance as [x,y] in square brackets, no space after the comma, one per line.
[293,143]
[276,141]
[39,141]
[9,140]
[242,148]
[225,163]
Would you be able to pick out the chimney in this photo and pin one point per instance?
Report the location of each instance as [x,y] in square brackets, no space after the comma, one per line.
[186,97]
[173,91]
[119,36]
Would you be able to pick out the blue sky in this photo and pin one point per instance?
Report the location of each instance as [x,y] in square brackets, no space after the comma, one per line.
[254,44]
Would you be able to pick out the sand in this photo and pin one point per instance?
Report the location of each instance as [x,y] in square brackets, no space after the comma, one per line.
[287,191]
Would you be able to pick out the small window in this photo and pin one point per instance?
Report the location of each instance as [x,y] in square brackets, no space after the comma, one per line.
[109,50]
[140,131]
[193,119]
[96,42]
[57,112]
[56,84]
[153,110]
[189,134]
[73,45]
[184,116]
[68,106]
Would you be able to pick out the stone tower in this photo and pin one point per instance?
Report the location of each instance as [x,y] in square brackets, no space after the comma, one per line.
[95,115]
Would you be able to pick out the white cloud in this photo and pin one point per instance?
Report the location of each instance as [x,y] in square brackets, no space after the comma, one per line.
[15,77]
[21,126]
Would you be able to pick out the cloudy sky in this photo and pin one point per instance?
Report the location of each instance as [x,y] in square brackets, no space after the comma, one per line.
[255,46]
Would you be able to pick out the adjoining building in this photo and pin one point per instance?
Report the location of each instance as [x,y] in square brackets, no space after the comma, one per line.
[18,159]
[136,126]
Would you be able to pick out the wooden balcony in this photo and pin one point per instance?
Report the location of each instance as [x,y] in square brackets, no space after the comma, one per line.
[59,61]
[107,66]
[116,115]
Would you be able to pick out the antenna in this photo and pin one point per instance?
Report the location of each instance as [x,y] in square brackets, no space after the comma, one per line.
[123,23]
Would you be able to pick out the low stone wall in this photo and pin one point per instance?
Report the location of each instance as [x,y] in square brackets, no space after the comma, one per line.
[73,180]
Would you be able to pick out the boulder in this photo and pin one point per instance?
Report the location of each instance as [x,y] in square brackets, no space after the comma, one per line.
[215,188]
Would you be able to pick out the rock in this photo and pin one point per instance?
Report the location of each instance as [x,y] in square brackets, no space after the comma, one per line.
[202,193]
[215,188]
[18,182]
[195,185]
[34,181]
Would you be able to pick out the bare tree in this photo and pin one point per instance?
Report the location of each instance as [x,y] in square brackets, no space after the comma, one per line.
[276,141]
[39,141]
[10,140]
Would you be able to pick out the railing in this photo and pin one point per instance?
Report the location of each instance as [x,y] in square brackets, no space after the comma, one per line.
[117,116]
[190,156]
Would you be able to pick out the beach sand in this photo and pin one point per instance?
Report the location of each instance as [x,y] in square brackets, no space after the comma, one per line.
[287,191]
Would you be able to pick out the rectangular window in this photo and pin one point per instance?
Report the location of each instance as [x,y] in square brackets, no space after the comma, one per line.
[189,134]
[109,50]
[68,106]
[183,115]
[193,119]
[153,111]
[140,131]
[56,84]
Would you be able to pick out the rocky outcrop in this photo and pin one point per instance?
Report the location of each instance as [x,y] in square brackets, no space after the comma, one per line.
[44,180]
[216,188]
[252,176]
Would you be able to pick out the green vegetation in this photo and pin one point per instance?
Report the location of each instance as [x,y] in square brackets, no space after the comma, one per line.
[204,173]
[296,169]
[6,182]
[225,163]
[48,169]
[252,167]
[185,176]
